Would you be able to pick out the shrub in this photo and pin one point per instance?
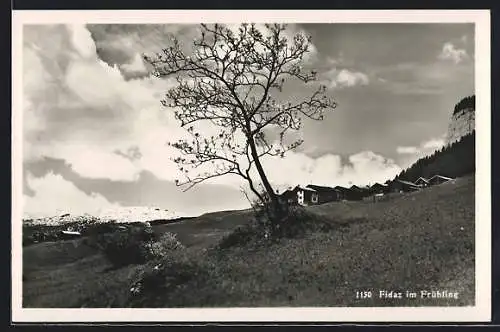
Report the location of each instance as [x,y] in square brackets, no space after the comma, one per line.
[136,245]
[262,229]
[298,221]
[243,235]
[126,247]
[164,246]
[158,280]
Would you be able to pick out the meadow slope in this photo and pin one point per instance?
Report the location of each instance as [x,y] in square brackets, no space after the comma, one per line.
[414,241]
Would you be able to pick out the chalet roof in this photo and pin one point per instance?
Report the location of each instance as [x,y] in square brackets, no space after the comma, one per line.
[290,190]
[341,188]
[408,183]
[379,184]
[423,179]
[440,177]
[306,189]
[362,188]
[320,188]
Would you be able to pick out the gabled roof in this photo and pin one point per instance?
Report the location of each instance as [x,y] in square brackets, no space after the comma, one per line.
[408,183]
[306,189]
[422,179]
[440,177]
[354,187]
[290,190]
[287,191]
[320,188]
[379,184]
[341,188]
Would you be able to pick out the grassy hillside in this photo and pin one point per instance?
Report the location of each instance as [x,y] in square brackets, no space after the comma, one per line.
[414,241]
[70,273]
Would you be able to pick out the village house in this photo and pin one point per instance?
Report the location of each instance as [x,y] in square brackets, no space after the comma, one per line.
[398,186]
[438,179]
[290,195]
[379,188]
[311,195]
[422,182]
[357,193]
[307,196]
[343,192]
[316,194]
[326,194]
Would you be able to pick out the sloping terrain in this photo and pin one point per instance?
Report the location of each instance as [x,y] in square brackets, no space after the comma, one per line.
[207,229]
[66,273]
[416,241]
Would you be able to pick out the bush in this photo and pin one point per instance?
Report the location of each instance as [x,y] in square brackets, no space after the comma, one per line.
[296,222]
[262,229]
[164,246]
[158,280]
[127,247]
[41,233]
[136,245]
[243,235]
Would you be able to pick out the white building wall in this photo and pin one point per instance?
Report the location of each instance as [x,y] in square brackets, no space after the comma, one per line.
[300,197]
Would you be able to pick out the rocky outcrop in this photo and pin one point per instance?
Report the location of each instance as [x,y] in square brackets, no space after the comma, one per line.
[462,121]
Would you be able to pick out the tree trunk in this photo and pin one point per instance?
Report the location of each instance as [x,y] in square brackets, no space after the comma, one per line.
[269,189]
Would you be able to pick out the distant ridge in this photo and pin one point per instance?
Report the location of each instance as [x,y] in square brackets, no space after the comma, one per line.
[119,215]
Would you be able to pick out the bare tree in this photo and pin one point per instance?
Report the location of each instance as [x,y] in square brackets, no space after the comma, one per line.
[231,80]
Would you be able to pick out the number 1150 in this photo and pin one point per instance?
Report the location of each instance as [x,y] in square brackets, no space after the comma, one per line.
[364,295]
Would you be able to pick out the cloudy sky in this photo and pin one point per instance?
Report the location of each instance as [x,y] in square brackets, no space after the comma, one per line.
[94,130]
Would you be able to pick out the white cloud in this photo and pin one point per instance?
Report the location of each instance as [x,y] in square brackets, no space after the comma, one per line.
[53,195]
[297,168]
[363,168]
[411,154]
[135,66]
[82,41]
[345,78]
[451,53]
[435,143]
[425,147]
[95,163]
[95,83]
[84,109]
[336,61]
[407,149]
[349,78]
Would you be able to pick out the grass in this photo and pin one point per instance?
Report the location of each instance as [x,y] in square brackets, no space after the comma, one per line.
[415,241]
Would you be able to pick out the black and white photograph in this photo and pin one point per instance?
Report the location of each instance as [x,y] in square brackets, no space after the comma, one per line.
[241,162]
